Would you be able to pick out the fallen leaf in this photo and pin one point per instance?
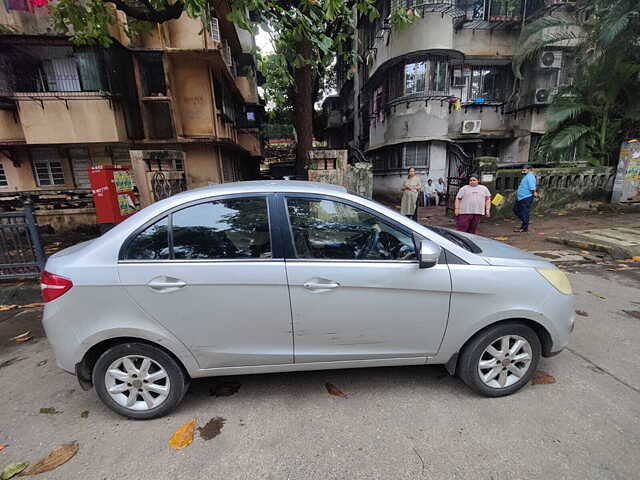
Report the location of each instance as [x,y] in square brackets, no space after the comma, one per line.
[23,337]
[57,457]
[183,436]
[3,446]
[4,308]
[12,470]
[225,389]
[596,295]
[636,258]
[560,214]
[50,411]
[333,390]
[32,305]
[582,313]
[502,239]
[212,429]
[585,252]
[42,363]
[542,378]
[633,313]
[84,414]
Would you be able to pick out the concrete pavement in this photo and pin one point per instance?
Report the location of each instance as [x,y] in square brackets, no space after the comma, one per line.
[396,423]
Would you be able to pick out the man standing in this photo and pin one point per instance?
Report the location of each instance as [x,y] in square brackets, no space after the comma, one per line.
[524,198]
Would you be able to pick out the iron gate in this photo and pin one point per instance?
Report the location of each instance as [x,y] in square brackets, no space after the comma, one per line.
[164,184]
[21,252]
[461,166]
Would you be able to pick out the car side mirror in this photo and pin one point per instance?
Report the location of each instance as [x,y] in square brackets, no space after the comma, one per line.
[428,253]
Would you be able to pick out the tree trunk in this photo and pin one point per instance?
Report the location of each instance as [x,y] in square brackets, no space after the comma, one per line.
[303,77]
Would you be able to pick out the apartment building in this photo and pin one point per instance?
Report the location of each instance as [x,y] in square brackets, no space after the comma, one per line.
[188,86]
[437,92]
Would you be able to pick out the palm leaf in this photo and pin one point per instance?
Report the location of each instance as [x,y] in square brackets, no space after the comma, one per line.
[557,114]
[569,136]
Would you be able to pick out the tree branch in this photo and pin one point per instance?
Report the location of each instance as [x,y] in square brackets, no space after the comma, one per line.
[148,13]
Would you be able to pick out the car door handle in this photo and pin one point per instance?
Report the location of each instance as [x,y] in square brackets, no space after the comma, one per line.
[320,286]
[166,284]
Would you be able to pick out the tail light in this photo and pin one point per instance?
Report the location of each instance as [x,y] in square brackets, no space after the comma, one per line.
[53,286]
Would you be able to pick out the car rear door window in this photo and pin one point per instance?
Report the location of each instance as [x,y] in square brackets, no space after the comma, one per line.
[236,228]
[326,229]
[152,243]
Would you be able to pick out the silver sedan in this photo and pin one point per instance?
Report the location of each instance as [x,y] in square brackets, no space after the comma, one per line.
[260,277]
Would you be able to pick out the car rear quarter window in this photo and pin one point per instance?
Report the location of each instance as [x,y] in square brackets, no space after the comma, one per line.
[151,244]
[236,228]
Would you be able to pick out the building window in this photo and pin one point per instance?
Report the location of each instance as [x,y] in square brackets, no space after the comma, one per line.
[416,154]
[152,75]
[426,76]
[48,168]
[3,177]
[489,83]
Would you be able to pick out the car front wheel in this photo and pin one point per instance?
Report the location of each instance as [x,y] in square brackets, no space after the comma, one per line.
[139,381]
[501,359]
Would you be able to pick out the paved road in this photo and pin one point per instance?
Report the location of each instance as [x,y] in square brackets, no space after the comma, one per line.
[397,423]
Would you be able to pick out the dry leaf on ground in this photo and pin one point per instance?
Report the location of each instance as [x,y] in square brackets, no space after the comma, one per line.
[12,470]
[542,378]
[3,446]
[212,428]
[582,313]
[596,295]
[333,390]
[633,313]
[23,337]
[183,436]
[49,410]
[4,308]
[32,305]
[501,239]
[57,457]
[84,414]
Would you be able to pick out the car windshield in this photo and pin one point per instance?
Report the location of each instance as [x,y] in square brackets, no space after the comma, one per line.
[456,238]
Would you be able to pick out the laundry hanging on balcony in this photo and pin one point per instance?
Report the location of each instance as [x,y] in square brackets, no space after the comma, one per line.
[39,3]
[19,5]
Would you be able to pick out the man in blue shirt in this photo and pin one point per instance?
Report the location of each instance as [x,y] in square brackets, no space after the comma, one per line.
[524,198]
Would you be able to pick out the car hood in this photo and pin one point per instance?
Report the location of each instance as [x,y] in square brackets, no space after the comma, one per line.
[501,254]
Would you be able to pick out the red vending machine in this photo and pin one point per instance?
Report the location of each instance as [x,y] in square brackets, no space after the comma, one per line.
[112,188]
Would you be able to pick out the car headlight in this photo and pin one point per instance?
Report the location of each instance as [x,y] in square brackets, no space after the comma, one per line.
[557,278]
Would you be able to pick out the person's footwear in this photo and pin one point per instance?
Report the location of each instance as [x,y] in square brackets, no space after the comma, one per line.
[520,230]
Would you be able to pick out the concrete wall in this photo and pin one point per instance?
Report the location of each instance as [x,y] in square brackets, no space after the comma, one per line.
[250,142]
[492,121]
[185,33]
[76,121]
[66,219]
[356,178]
[21,176]
[413,122]
[29,23]
[202,165]
[193,92]
[482,42]
[248,89]
[10,128]
[562,187]
[434,32]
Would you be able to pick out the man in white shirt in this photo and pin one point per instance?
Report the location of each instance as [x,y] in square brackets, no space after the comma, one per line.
[430,193]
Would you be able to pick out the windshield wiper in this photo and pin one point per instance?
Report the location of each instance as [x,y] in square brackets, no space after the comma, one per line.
[456,238]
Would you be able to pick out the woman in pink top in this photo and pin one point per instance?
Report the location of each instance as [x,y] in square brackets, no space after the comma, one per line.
[472,202]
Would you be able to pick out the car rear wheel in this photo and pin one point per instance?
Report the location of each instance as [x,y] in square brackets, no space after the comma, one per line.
[139,381]
[501,359]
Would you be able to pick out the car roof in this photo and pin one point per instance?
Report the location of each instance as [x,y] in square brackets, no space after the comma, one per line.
[270,186]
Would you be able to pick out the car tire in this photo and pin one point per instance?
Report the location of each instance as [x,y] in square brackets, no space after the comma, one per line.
[151,374]
[500,374]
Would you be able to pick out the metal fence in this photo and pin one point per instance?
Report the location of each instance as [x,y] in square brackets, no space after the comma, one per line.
[21,252]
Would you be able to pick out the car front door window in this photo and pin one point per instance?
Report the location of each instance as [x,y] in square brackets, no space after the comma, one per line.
[332,230]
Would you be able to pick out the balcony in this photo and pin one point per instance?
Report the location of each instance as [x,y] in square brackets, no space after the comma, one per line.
[65,94]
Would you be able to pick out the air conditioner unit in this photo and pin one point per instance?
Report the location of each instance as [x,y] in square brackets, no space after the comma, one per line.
[471,126]
[543,96]
[551,59]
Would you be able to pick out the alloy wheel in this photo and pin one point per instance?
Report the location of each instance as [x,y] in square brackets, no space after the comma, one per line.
[137,382]
[505,361]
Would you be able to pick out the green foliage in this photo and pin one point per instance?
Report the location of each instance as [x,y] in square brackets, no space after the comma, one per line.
[86,20]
